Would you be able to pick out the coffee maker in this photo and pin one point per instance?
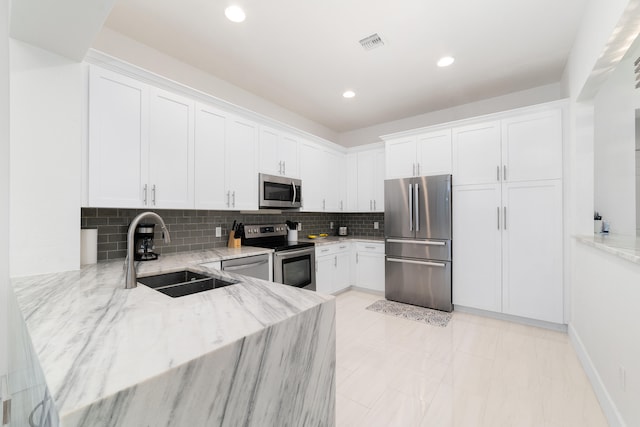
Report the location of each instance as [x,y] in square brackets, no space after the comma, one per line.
[143,238]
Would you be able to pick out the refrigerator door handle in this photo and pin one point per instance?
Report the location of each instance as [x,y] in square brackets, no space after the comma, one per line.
[407,261]
[417,242]
[416,202]
[410,207]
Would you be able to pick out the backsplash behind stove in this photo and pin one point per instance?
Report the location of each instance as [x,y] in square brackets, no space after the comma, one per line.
[195,229]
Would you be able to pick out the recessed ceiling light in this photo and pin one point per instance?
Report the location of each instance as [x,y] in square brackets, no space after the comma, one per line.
[445,61]
[349,94]
[235,14]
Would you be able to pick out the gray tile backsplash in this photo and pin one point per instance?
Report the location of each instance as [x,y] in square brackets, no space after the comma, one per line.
[195,229]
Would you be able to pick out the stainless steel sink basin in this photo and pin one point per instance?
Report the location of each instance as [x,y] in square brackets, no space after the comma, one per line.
[185,282]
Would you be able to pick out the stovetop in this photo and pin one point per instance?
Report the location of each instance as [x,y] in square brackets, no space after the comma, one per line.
[272,236]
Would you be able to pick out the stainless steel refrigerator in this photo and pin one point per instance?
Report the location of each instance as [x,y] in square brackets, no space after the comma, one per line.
[417,227]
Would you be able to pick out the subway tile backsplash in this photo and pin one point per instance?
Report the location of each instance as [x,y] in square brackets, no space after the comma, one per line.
[195,229]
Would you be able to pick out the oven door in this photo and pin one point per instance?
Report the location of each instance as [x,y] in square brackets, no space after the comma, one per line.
[280,192]
[296,268]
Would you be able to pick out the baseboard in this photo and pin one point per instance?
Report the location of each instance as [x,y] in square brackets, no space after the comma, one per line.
[611,413]
[356,288]
[511,318]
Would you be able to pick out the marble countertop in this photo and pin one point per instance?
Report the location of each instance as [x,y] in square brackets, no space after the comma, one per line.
[625,247]
[94,338]
[337,239]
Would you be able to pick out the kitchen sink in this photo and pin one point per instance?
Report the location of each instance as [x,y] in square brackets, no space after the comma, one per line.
[182,283]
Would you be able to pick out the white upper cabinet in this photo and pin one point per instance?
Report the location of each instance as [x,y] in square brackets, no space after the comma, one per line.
[312,167]
[141,144]
[118,140]
[352,182]
[532,146]
[401,158]
[370,180]
[210,187]
[278,153]
[334,188]
[171,150]
[241,177]
[476,154]
[433,153]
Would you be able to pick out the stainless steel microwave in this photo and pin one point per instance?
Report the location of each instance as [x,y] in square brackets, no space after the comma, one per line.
[279,192]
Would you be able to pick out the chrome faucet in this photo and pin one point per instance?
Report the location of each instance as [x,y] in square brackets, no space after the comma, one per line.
[131,279]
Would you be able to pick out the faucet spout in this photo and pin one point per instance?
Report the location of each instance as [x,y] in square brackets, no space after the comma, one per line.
[131,279]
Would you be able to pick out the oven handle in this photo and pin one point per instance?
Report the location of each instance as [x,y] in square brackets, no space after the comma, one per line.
[301,251]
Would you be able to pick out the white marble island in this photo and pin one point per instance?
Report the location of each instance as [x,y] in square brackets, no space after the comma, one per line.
[255,353]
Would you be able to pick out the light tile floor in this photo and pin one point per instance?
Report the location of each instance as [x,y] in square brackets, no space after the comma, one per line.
[475,372]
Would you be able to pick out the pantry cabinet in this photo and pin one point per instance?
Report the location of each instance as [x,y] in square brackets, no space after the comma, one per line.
[141,144]
[476,154]
[278,153]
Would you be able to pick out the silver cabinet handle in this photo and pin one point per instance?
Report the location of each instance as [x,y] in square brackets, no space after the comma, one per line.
[153,194]
[335,261]
[410,207]
[324,250]
[324,204]
[233,198]
[374,204]
[357,257]
[418,168]
[294,192]
[284,167]
[228,199]
[341,205]
[504,172]
[498,211]
[498,173]
[418,242]
[416,202]
[280,167]
[369,247]
[370,204]
[343,247]
[145,194]
[407,261]
[505,217]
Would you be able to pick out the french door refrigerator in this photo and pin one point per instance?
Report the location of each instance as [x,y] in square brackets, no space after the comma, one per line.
[417,227]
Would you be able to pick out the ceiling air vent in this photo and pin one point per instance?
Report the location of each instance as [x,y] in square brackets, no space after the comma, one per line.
[371,42]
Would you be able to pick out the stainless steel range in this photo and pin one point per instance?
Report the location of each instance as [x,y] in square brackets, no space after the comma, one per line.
[293,262]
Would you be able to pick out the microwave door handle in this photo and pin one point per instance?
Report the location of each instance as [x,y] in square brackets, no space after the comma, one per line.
[294,193]
[410,207]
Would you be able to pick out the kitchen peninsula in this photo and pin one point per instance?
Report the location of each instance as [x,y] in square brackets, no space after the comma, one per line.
[255,353]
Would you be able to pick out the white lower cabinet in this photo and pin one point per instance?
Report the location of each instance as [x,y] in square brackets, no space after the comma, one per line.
[507,251]
[332,267]
[369,266]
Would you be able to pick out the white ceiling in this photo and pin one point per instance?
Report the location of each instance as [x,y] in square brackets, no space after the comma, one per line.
[303,54]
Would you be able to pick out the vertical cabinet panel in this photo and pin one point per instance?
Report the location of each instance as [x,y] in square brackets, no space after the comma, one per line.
[210,158]
[171,148]
[400,158]
[477,254]
[370,271]
[118,138]
[366,181]
[311,166]
[353,189]
[532,146]
[532,250]
[288,150]
[335,190]
[241,177]
[476,154]
[434,153]
[269,159]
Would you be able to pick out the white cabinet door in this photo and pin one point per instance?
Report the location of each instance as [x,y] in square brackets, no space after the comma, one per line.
[352,182]
[288,154]
[210,158]
[366,182]
[342,270]
[532,250]
[334,189]
[532,146]
[378,181]
[324,274]
[477,154]
[313,181]
[118,140]
[434,153]
[401,158]
[370,271]
[171,148]
[270,161]
[477,256]
[241,177]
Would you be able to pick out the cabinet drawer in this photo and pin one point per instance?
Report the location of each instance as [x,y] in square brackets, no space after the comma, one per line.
[376,248]
[335,248]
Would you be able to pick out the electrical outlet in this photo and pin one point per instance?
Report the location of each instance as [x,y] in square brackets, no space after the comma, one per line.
[331,225]
[218,231]
[299,226]
[622,373]
[376,225]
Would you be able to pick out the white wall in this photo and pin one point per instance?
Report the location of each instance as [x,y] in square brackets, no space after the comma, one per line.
[136,53]
[4,182]
[46,95]
[614,147]
[524,98]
